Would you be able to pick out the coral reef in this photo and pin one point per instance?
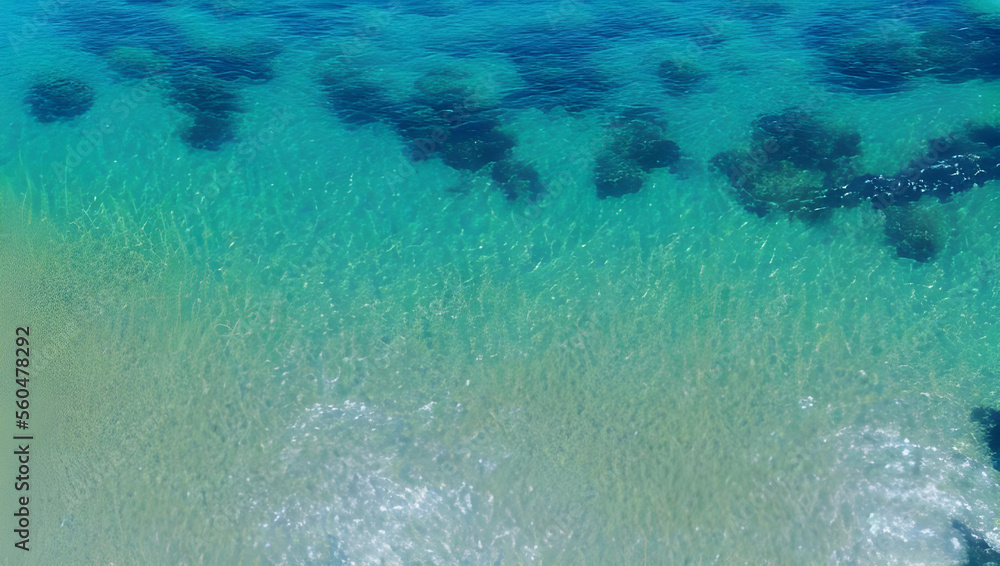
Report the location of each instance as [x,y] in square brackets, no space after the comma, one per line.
[638,145]
[794,163]
[956,48]
[917,232]
[474,144]
[212,106]
[990,421]
[978,551]
[57,99]
[518,180]
[616,175]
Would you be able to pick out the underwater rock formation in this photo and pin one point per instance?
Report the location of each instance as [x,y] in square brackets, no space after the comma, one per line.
[475,144]
[917,232]
[616,175]
[355,99]
[518,180]
[213,107]
[797,165]
[948,176]
[978,551]
[952,46]
[988,135]
[638,145]
[990,420]
[644,142]
[57,99]
[794,163]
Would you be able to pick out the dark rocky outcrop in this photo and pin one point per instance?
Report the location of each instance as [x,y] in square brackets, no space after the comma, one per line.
[638,144]
[794,163]
[59,99]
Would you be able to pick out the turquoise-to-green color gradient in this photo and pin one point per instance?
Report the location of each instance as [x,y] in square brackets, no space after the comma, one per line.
[266,330]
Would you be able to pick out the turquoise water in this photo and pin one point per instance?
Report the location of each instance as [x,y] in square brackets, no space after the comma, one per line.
[464,282]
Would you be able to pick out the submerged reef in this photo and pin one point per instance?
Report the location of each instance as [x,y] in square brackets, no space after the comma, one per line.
[475,144]
[794,163]
[356,99]
[951,165]
[797,164]
[58,99]
[638,144]
[615,175]
[950,46]
[948,176]
[978,551]
[917,232]
[517,180]
[990,421]
[212,106]
[449,115]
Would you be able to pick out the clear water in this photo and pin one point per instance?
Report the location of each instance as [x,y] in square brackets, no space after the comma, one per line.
[279,339]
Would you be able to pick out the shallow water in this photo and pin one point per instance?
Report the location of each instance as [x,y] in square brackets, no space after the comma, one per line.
[287,310]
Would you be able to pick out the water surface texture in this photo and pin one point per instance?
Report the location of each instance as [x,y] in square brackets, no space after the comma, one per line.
[504,282]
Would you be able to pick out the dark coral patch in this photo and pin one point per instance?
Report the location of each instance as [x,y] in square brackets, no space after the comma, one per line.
[357,100]
[213,107]
[57,99]
[638,145]
[615,175]
[518,180]
[805,141]
[209,131]
[794,163]
[645,143]
[988,135]
[917,232]
[977,551]
[990,421]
